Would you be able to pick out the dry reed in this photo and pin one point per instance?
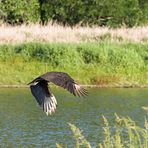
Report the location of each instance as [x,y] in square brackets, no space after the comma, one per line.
[56,33]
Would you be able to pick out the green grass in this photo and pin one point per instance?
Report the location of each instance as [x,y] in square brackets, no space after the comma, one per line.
[101,63]
[124,134]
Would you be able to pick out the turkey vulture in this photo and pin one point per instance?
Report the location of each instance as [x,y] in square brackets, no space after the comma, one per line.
[43,94]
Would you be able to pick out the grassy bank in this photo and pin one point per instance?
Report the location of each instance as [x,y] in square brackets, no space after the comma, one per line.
[123,134]
[99,63]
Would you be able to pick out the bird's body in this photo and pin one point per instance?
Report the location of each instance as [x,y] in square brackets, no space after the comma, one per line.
[43,94]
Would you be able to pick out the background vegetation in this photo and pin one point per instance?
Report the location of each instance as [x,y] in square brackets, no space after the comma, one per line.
[113,13]
[103,56]
[100,63]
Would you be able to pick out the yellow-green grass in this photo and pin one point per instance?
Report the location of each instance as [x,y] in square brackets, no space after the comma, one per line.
[100,63]
[122,133]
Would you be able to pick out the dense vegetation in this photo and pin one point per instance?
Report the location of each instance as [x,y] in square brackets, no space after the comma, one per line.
[123,134]
[114,13]
[101,63]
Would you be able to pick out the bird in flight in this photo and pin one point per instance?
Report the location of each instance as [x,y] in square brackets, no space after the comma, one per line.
[43,95]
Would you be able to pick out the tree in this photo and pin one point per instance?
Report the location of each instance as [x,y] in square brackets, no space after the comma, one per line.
[19,11]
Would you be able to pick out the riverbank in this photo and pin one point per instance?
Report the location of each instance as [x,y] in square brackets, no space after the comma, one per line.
[87,86]
[103,63]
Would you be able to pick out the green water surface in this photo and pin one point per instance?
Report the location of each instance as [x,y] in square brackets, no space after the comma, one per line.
[23,124]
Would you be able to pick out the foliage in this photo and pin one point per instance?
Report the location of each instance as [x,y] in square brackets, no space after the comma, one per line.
[144,8]
[124,134]
[19,11]
[100,63]
[114,13]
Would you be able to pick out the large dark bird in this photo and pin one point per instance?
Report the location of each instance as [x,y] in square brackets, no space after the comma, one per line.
[44,96]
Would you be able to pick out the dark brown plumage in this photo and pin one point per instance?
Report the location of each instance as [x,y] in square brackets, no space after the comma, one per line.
[43,95]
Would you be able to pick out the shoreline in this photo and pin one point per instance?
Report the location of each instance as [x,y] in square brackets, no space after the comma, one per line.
[89,86]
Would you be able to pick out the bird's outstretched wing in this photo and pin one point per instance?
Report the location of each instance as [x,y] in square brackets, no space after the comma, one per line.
[44,97]
[64,80]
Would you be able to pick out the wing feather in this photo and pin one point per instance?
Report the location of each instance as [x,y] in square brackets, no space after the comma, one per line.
[64,80]
[44,97]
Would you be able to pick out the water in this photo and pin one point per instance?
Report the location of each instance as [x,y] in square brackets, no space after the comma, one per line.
[23,124]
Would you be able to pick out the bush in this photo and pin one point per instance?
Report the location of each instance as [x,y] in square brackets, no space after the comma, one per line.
[92,63]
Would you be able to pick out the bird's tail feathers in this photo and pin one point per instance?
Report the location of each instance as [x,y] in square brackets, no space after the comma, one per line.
[49,105]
